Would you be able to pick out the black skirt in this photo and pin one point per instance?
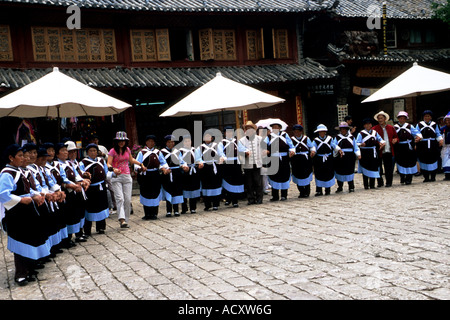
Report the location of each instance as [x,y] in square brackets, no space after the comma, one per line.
[301,166]
[150,184]
[345,165]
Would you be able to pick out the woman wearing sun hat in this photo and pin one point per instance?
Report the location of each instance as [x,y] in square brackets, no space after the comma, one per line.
[405,153]
[119,160]
[428,147]
[323,160]
[344,163]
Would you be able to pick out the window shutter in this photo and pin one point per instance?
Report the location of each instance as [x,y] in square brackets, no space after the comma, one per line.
[280,43]
[6,53]
[206,44]
[163,44]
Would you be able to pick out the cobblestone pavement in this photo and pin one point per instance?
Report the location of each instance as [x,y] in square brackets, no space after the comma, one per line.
[388,243]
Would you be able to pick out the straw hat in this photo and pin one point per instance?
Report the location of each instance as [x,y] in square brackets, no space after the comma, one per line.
[250,124]
[383,114]
[344,125]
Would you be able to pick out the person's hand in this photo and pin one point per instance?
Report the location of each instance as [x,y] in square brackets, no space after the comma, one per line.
[86,175]
[185,168]
[117,172]
[166,171]
[312,154]
[26,200]
[38,199]
[341,153]
[382,145]
[291,154]
[441,143]
[394,141]
[359,157]
[363,144]
[201,165]
[417,139]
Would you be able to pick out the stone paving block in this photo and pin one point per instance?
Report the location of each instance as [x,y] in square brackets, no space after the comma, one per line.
[316,248]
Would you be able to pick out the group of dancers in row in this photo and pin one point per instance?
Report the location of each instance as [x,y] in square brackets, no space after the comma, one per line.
[49,198]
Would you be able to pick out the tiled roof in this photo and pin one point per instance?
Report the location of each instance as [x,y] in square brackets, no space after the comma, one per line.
[172,77]
[192,5]
[404,9]
[395,55]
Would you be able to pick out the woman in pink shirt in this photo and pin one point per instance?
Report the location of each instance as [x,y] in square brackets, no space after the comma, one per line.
[119,158]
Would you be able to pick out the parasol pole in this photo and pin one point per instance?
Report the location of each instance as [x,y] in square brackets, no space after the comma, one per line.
[385,29]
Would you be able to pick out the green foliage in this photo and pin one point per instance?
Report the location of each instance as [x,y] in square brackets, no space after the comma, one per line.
[441,11]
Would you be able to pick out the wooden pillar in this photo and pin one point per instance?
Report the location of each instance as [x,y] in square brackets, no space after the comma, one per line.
[130,126]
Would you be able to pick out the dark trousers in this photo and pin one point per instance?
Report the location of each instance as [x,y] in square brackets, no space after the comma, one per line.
[304,191]
[368,182]
[429,175]
[276,194]
[406,178]
[386,161]
[231,197]
[253,184]
[23,266]
[150,212]
[351,185]
[170,206]
[212,201]
[99,225]
[192,205]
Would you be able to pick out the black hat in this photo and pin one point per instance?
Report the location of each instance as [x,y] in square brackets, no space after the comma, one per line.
[48,145]
[11,150]
[29,146]
[297,127]
[59,146]
[42,152]
[150,136]
[427,112]
[349,117]
[168,137]
[92,145]
[367,120]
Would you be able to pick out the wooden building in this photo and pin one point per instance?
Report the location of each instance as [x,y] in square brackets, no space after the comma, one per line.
[153,53]
[368,60]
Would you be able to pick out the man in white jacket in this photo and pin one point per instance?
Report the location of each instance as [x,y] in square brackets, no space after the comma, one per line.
[252,163]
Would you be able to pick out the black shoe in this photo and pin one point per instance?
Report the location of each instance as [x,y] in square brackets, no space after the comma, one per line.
[327,193]
[318,194]
[227,203]
[80,239]
[388,185]
[101,231]
[235,205]
[215,208]
[168,214]
[339,190]
[426,180]
[146,218]
[258,202]
[193,211]
[176,214]
[183,212]
[206,209]
[21,281]
[417,174]
[351,190]
[274,199]
[283,199]
[39,266]
[31,278]
[153,218]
